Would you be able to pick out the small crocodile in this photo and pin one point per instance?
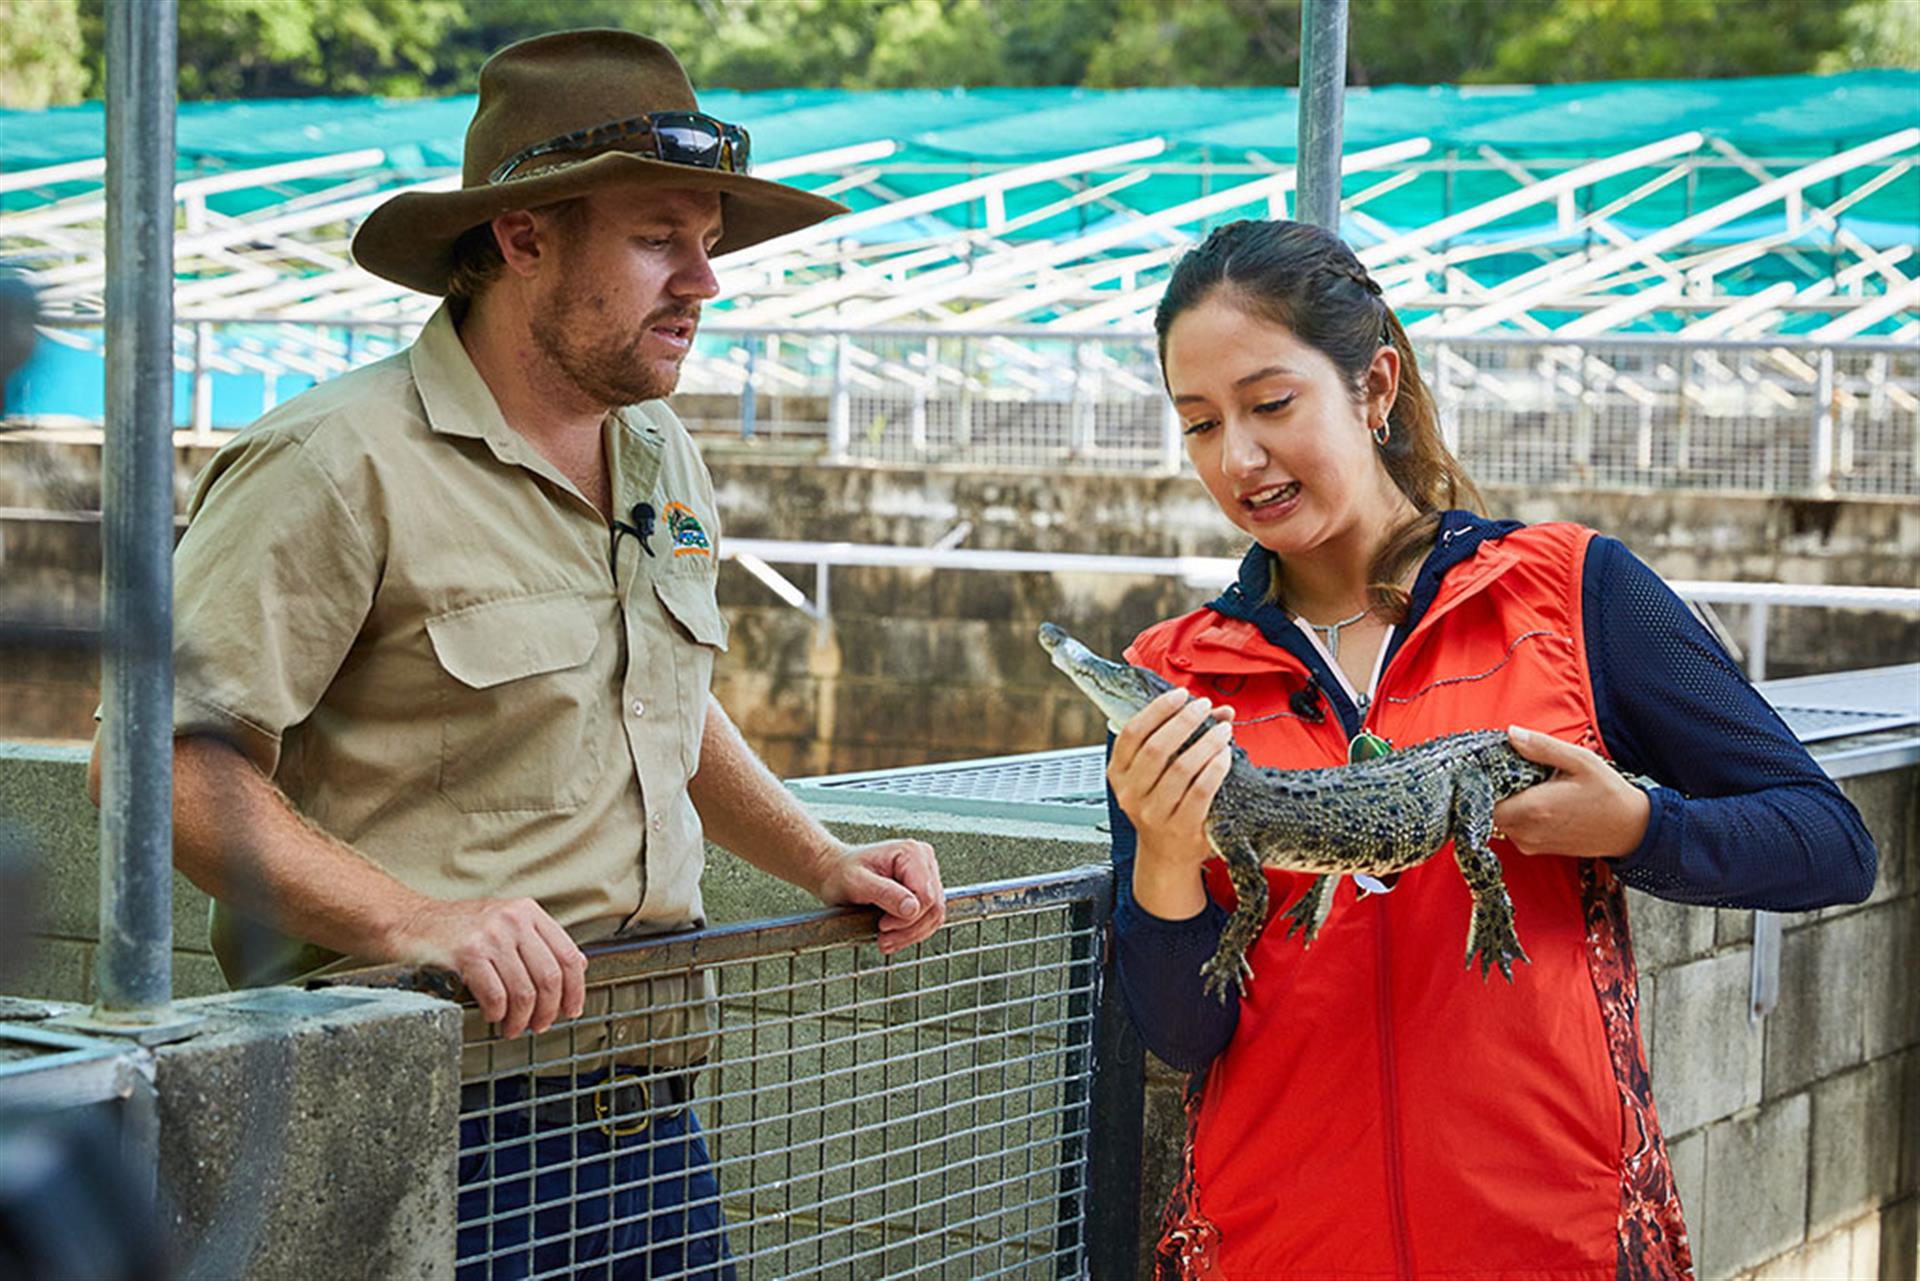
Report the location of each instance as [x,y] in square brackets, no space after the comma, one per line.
[1377,817]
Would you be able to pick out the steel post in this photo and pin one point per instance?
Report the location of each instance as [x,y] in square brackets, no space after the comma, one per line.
[840,404]
[1821,446]
[1323,84]
[133,975]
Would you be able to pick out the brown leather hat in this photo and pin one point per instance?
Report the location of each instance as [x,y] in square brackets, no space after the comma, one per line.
[533,96]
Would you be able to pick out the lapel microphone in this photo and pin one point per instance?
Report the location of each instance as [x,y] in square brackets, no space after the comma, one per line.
[1305,702]
[641,528]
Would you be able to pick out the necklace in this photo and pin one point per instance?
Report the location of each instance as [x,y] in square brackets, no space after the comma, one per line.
[1332,631]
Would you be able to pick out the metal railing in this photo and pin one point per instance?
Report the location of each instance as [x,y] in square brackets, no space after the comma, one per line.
[1777,415]
[927,1115]
[758,556]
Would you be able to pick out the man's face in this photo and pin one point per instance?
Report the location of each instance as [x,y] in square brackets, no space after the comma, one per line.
[616,315]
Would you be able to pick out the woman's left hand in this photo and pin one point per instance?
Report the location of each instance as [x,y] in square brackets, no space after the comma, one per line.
[1584,810]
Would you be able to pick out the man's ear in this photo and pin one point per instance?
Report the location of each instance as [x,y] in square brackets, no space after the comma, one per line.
[518,234]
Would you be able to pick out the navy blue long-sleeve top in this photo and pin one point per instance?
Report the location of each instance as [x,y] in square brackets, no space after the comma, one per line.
[1742,817]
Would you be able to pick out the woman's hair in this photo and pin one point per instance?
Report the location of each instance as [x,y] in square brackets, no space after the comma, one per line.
[1305,278]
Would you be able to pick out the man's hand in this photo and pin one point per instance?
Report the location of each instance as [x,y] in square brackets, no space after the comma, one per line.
[901,878]
[517,962]
[1584,810]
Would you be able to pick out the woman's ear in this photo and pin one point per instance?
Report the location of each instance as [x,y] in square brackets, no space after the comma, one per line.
[1383,383]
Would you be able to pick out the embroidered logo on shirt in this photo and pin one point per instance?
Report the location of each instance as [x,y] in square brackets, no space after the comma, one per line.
[689,537]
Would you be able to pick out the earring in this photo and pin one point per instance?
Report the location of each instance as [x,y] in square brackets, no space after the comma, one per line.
[1382,433]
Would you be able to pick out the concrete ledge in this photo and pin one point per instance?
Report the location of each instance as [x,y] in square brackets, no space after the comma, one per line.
[312,1135]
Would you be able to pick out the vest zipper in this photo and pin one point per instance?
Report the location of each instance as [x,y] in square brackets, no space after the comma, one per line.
[1389,1066]
[1390,1109]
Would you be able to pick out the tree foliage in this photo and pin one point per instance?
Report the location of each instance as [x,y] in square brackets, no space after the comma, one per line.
[50,50]
[40,58]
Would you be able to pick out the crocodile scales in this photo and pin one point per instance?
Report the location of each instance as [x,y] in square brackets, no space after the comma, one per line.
[1377,817]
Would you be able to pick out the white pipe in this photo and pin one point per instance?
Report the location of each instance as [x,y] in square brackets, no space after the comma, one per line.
[1572,275]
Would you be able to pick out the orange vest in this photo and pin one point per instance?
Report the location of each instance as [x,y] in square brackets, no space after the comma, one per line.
[1382,1111]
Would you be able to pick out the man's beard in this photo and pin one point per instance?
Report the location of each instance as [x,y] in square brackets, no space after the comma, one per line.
[605,364]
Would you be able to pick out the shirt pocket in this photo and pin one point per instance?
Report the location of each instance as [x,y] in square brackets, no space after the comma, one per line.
[699,632]
[520,715]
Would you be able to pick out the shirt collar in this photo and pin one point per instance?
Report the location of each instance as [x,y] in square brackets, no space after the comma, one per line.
[457,399]
[1461,534]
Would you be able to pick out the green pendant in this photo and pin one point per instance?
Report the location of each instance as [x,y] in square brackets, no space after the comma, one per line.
[1367,746]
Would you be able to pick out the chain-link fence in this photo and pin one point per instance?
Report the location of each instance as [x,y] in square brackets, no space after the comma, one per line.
[1779,416]
[1603,414]
[779,1100]
[1769,419]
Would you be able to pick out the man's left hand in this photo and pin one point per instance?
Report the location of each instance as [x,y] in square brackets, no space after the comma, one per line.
[901,878]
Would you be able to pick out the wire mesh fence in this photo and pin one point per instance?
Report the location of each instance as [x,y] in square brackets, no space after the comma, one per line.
[1633,415]
[1766,416]
[1602,414]
[779,1100]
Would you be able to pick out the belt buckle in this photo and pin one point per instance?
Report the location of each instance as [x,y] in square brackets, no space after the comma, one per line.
[603,1107]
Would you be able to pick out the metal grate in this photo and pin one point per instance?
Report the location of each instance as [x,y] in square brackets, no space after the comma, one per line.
[926,1115]
[1069,785]
[1058,786]
[1817,724]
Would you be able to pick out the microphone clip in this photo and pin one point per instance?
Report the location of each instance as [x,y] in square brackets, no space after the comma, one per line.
[641,528]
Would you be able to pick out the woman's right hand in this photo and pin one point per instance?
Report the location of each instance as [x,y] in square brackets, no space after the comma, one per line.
[1166,792]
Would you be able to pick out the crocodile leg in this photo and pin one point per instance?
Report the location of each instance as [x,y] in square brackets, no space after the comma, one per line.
[1492,936]
[1229,964]
[1310,912]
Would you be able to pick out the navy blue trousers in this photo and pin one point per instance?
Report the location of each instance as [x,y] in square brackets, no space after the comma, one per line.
[579,1201]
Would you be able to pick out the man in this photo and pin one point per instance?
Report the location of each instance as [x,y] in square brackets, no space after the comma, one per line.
[445,625]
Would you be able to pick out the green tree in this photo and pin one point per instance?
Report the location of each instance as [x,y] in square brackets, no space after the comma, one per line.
[1214,42]
[1876,33]
[1432,41]
[253,48]
[41,64]
[298,48]
[1670,39]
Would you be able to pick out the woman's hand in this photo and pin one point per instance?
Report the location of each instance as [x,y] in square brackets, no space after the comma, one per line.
[1166,792]
[1585,810]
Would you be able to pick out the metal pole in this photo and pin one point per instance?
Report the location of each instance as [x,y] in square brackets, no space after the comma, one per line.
[747,406]
[1117,1099]
[1822,443]
[840,406]
[133,977]
[1323,83]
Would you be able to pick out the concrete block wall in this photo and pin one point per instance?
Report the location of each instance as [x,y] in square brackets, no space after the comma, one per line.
[917,666]
[43,797]
[1796,1138]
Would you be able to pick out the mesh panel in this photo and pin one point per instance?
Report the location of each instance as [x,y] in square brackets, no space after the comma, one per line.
[857,1116]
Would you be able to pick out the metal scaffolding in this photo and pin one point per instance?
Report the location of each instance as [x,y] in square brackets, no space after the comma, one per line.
[966,279]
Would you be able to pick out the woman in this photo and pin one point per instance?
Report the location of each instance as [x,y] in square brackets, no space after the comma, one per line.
[1369,1108]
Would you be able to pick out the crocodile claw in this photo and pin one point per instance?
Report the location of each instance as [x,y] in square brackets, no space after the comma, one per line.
[1309,912]
[1225,967]
[1300,917]
[1492,937]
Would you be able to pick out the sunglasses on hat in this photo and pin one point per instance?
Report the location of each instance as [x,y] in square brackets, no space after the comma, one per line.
[677,137]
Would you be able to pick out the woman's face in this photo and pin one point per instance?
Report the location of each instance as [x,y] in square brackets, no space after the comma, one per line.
[1275,432]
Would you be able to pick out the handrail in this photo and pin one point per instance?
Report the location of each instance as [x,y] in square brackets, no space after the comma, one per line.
[1209,571]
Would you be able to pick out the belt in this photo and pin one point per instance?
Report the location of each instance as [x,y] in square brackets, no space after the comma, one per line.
[624,1104]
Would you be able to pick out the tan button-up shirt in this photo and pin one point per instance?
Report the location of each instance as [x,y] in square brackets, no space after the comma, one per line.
[440,651]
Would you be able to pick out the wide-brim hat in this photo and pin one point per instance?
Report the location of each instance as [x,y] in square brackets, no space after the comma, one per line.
[544,89]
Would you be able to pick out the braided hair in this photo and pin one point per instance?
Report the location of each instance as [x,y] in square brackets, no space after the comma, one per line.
[1305,279]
